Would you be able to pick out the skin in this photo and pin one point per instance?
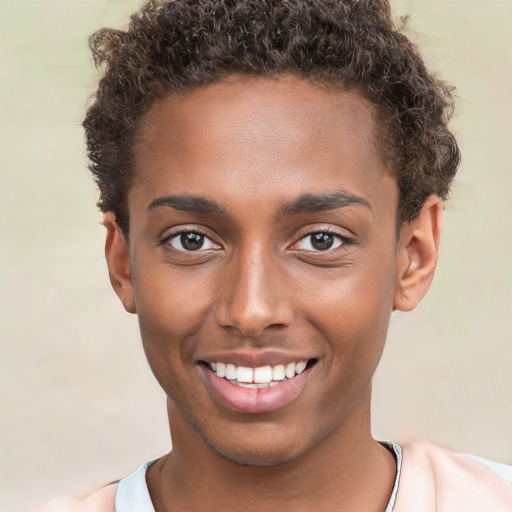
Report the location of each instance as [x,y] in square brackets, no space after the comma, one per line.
[254,147]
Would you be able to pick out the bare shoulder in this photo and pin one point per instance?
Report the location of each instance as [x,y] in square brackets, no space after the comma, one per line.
[99,501]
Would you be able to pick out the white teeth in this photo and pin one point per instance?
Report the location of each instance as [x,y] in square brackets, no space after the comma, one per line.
[262,374]
[289,370]
[221,370]
[244,374]
[300,367]
[230,372]
[258,377]
[278,372]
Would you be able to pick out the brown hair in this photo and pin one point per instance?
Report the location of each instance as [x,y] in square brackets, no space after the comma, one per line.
[171,46]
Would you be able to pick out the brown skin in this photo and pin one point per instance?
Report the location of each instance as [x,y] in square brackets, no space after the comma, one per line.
[254,145]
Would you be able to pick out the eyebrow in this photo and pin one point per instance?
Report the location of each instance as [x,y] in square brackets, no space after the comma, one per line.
[312,203]
[305,203]
[187,203]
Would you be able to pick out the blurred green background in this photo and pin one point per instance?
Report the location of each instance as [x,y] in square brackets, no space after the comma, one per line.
[79,406]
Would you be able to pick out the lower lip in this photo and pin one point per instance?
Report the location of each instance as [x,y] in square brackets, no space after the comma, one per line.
[255,401]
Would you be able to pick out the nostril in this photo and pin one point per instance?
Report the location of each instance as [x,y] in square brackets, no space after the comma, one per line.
[251,321]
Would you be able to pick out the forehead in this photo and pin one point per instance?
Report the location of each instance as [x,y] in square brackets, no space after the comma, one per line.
[261,131]
[284,107]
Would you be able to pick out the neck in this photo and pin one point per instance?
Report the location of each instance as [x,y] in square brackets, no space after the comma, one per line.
[348,471]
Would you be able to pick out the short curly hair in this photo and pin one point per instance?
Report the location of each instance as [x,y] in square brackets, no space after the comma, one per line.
[171,46]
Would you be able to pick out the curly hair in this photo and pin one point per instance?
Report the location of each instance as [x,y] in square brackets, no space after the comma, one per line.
[172,46]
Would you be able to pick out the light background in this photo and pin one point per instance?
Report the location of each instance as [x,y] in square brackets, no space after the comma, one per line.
[79,406]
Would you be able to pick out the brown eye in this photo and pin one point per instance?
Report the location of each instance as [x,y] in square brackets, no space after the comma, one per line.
[320,241]
[189,241]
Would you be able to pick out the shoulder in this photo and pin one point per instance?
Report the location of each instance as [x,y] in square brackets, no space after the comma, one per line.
[99,501]
[129,494]
[436,479]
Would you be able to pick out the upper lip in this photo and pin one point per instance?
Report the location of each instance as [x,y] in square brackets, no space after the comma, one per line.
[255,359]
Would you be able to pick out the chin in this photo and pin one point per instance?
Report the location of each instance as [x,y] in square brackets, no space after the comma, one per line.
[257,458]
[261,450]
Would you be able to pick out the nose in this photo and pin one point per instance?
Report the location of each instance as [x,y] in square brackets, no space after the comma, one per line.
[253,296]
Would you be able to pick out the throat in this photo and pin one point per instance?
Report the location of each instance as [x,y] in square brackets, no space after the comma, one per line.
[342,481]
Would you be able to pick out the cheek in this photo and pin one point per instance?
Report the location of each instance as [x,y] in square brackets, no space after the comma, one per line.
[351,309]
[171,304]
[358,296]
[170,310]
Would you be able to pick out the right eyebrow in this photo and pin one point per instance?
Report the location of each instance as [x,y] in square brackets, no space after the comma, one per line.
[188,203]
[311,203]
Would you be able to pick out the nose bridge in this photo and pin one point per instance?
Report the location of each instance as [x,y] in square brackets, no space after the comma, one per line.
[252,296]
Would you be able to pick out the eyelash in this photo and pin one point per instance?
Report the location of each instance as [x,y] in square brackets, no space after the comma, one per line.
[176,234]
[343,240]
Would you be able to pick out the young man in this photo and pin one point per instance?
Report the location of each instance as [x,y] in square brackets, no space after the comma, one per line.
[272,176]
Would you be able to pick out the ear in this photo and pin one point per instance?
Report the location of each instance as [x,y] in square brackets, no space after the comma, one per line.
[417,253]
[118,262]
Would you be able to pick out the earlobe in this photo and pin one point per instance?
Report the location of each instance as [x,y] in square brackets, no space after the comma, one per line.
[417,253]
[118,262]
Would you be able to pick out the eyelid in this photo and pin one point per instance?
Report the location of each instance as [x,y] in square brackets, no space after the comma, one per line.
[343,234]
[338,242]
[180,230]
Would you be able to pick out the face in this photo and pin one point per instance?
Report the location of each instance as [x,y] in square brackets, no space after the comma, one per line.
[262,262]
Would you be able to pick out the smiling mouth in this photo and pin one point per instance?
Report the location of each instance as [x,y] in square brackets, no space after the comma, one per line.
[260,377]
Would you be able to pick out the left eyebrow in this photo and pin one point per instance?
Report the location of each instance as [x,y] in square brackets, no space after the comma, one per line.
[312,203]
[187,203]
